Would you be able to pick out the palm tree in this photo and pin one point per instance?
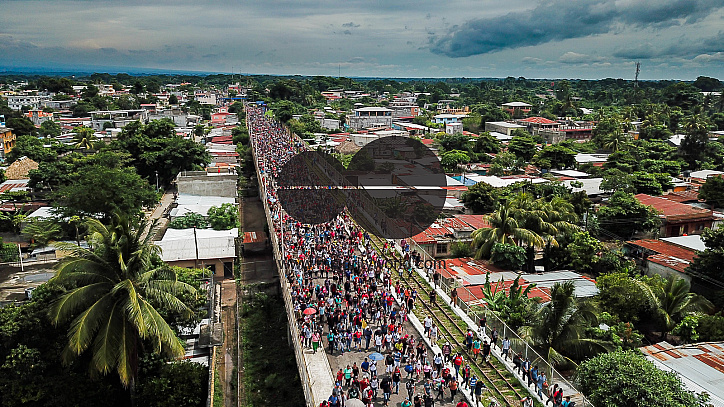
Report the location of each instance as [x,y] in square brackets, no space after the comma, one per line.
[84,138]
[110,290]
[504,228]
[558,327]
[616,140]
[672,301]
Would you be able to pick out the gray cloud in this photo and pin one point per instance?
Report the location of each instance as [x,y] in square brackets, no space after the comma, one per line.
[571,57]
[347,32]
[684,47]
[563,19]
[350,25]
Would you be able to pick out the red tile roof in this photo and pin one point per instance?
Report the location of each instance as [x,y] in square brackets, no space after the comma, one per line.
[475,221]
[673,211]
[538,120]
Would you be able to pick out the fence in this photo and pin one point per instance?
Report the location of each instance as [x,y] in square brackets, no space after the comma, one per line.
[288,304]
[518,345]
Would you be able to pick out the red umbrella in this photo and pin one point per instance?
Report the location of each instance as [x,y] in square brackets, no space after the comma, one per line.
[309,311]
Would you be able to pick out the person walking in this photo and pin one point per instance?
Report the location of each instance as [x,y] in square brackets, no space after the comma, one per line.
[542,383]
[506,348]
[386,387]
[479,386]
[315,341]
[396,378]
[453,386]
[410,387]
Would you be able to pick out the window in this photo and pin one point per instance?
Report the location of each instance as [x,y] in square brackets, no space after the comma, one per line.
[441,248]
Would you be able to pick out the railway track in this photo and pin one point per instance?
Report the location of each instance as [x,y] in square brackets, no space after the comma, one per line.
[496,378]
[505,387]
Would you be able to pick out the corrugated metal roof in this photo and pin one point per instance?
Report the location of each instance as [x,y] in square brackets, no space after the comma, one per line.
[700,365]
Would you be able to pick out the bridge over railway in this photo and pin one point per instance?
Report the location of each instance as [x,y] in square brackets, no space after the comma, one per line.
[272,146]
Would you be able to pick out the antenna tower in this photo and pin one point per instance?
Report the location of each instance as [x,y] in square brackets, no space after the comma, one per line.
[638,70]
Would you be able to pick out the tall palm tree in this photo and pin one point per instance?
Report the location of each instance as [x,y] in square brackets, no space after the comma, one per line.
[110,290]
[672,301]
[84,138]
[504,228]
[558,327]
[616,140]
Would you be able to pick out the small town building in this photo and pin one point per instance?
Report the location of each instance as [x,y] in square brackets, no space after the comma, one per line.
[517,109]
[535,125]
[657,256]
[8,141]
[366,117]
[678,218]
[505,128]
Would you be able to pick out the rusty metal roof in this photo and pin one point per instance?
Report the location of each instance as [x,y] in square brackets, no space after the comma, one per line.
[700,365]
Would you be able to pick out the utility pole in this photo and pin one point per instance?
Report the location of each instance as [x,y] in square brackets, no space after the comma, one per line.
[196,246]
[20,256]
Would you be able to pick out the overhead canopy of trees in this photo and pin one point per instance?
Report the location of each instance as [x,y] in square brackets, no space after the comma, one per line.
[155,148]
[624,215]
[710,262]
[627,378]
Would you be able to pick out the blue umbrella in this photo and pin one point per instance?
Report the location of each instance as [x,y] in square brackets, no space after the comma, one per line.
[377,356]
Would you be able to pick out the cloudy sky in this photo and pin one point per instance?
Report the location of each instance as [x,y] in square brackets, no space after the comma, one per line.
[679,39]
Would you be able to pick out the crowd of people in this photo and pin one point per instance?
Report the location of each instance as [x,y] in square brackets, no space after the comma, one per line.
[345,300]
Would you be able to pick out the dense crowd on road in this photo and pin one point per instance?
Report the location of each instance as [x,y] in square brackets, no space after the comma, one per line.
[345,300]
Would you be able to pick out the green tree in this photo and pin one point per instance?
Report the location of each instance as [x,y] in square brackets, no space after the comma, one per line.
[155,148]
[554,156]
[190,220]
[558,328]
[177,384]
[709,262]
[672,301]
[109,289]
[487,144]
[22,126]
[627,378]
[624,215]
[507,256]
[450,159]
[481,198]
[713,191]
[583,251]
[84,138]
[523,146]
[707,84]
[223,217]
[114,189]
[31,147]
[697,137]
[173,100]
[452,142]
[50,128]
[461,249]
[42,232]
[623,296]
[504,228]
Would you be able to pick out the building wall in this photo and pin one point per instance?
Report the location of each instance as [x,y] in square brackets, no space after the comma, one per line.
[657,269]
[216,264]
[689,228]
[199,183]
[500,129]
[8,141]
[361,122]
